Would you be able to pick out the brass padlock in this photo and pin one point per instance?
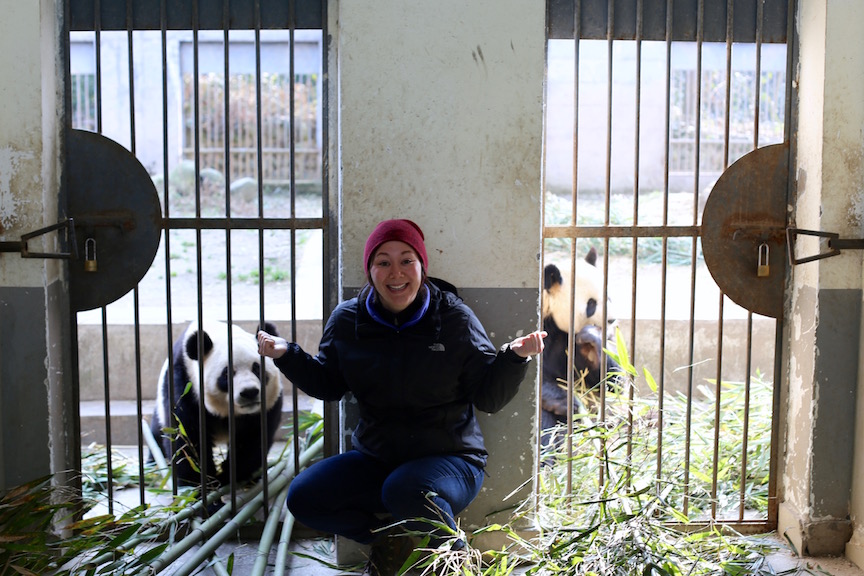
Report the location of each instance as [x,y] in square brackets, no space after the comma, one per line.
[762,267]
[90,255]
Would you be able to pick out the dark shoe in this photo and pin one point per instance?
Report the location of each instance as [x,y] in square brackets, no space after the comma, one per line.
[387,555]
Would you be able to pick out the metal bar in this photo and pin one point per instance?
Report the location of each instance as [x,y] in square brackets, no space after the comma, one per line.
[233,448]
[196,107]
[610,55]
[760,14]
[561,25]
[730,16]
[664,263]
[135,295]
[538,387]
[577,29]
[107,402]
[199,223]
[73,447]
[718,415]
[105,380]
[22,245]
[98,28]
[791,240]
[621,231]
[790,126]
[749,361]
[847,243]
[166,206]
[745,434]
[330,276]
[634,273]
[260,181]
[180,16]
[259,123]
[292,177]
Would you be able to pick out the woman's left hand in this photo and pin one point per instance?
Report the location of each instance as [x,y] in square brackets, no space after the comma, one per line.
[529,345]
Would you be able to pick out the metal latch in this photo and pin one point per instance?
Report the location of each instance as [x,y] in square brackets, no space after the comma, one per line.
[835,244]
[24,249]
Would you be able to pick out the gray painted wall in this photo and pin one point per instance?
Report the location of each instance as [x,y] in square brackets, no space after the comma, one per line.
[24,432]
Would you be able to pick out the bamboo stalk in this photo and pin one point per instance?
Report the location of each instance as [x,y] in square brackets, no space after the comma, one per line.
[268,534]
[284,541]
[216,564]
[155,451]
[175,520]
[245,511]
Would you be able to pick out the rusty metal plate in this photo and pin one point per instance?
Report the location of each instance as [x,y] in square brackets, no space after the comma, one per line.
[118,219]
[744,214]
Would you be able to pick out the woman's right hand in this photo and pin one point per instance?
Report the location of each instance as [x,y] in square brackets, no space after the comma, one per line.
[271,346]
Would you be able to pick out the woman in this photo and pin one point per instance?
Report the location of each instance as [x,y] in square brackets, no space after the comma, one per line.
[417,361]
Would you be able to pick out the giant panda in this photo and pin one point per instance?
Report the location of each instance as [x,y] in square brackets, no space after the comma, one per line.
[588,346]
[588,299]
[187,452]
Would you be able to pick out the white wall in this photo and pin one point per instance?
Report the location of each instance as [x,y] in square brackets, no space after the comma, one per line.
[439,108]
[822,437]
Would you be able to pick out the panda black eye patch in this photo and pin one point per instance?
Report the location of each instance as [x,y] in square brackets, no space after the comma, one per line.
[256,370]
[222,381]
[591,307]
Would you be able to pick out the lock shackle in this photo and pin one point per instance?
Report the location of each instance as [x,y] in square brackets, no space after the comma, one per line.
[90,249]
[763,254]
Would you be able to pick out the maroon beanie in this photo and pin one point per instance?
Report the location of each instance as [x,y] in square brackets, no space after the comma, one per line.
[400,229]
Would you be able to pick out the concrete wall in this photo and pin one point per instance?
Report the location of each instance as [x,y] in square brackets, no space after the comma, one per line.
[440,120]
[34,335]
[818,480]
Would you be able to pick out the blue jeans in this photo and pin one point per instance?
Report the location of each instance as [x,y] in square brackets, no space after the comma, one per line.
[347,493]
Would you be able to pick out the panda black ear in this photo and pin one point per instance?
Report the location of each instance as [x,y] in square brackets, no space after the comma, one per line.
[269,328]
[591,257]
[192,344]
[551,276]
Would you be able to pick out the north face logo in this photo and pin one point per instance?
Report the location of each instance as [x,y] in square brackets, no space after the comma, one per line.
[437,347]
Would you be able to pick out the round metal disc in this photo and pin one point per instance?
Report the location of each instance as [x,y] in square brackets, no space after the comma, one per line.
[745,215]
[118,219]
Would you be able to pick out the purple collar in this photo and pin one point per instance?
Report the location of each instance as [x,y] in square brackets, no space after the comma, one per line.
[414,319]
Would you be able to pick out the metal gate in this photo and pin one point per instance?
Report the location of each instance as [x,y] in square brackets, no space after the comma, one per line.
[224,105]
[648,102]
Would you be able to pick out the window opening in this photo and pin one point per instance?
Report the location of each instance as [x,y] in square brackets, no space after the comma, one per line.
[243,190]
[637,132]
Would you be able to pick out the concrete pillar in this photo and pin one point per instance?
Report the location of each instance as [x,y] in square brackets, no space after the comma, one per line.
[440,110]
[34,318]
[825,313]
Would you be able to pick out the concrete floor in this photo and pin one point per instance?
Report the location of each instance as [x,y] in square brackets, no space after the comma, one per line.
[312,554]
[783,562]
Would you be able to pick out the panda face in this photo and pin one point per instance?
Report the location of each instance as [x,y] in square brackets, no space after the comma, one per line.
[246,370]
[588,302]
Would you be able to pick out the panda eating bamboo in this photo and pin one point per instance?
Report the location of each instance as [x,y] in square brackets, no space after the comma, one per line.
[250,384]
[587,351]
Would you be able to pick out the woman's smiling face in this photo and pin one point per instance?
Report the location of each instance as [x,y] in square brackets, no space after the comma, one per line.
[396,275]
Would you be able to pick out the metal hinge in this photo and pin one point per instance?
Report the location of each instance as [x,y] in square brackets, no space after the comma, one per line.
[835,244]
[23,248]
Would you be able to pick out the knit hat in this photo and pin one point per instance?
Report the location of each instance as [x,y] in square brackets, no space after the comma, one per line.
[399,229]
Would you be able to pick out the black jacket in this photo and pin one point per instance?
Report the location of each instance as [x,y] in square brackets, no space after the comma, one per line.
[417,387]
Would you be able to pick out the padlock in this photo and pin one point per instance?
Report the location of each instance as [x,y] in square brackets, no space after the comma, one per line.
[762,267]
[90,255]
